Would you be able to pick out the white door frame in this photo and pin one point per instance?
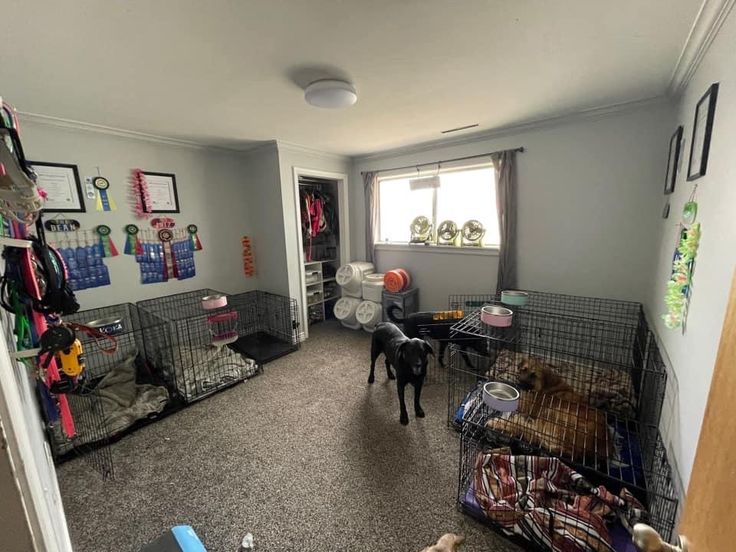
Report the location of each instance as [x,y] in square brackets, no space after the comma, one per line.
[343,221]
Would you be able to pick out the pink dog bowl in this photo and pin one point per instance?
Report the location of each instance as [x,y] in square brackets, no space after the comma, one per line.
[498,317]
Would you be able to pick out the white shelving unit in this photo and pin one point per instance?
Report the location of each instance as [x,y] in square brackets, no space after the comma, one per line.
[314,282]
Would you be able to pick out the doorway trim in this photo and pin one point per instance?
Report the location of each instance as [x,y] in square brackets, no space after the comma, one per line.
[343,221]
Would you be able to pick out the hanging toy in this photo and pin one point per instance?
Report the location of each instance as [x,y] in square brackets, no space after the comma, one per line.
[108,247]
[132,243]
[104,201]
[196,244]
[677,297]
[141,196]
[248,264]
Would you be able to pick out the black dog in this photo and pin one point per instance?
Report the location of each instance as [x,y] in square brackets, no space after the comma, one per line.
[436,325]
[409,359]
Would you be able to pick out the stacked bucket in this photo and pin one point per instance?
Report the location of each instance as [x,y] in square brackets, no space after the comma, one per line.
[362,289]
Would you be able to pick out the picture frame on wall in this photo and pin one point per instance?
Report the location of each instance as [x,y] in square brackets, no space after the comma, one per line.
[162,192]
[61,183]
[673,161]
[705,113]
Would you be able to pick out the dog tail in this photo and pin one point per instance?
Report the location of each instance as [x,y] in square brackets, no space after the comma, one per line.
[391,311]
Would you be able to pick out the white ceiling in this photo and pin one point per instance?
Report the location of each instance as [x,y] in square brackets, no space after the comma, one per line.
[230,72]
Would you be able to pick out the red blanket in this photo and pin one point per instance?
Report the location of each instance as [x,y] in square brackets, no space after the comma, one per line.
[548,503]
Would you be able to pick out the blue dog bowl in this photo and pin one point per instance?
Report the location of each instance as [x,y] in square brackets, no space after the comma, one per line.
[513,297]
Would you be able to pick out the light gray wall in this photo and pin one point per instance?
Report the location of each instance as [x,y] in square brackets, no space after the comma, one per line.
[589,194]
[211,187]
[693,353]
[262,192]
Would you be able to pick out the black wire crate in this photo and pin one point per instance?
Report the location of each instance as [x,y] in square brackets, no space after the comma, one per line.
[208,349]
[600,364]
[117,389]
[268,325]
[92,433]
[628,313]
[546,502]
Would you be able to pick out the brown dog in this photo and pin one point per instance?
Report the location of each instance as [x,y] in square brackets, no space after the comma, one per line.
[449,542]
[554,417]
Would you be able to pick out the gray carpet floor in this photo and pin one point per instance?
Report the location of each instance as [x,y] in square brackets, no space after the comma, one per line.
[306,456]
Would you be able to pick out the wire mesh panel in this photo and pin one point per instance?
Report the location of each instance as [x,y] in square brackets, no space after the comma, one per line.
[600,364]
[547,504]
[607,310]
[208,349]
[116,390]
[92,432]
[268,325]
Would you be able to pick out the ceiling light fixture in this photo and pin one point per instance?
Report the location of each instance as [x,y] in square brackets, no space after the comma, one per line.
[330,93]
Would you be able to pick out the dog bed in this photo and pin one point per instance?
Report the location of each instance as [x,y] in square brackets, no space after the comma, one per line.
[199,370]
[547,503]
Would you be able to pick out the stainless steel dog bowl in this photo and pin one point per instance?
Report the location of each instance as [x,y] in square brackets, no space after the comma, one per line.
[497,316]
[501,396]
[110,326]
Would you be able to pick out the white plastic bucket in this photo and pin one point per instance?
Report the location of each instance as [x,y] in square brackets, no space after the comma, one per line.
[344,310]
[369,314]
[350,277]
[373,287]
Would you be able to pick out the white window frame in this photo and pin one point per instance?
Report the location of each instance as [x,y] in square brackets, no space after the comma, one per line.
[492,249]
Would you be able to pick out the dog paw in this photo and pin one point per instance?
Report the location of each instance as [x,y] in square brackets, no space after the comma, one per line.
[419,412]
[371,379]
[404,419]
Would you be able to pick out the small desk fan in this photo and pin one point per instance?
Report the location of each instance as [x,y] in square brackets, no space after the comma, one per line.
[421,230]
[473,233]
[447,233]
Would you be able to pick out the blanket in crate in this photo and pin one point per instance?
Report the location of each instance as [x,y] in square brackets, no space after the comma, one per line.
[547,503]
[115,404]
[606,386]
[205,368]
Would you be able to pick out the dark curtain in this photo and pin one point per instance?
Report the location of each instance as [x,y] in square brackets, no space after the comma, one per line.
[504,163]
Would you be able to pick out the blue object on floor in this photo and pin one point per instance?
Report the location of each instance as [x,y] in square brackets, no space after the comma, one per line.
[181,538]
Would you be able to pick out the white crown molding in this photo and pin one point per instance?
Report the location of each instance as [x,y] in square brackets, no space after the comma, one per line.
[566,118]
[298,148]
[71,124]
[708,22]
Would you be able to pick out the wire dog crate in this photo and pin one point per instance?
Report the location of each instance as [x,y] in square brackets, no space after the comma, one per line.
[596,308]
[269,325]
[563,509]
[206,350]
[117,390]
[604,365]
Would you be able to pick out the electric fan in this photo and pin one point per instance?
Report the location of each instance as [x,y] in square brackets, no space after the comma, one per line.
[447,233]
[421,230]
[473,233]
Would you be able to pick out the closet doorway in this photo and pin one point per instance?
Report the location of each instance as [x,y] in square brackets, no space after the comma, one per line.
[323,240]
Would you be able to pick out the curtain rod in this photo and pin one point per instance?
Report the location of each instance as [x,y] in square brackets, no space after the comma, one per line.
[417,165]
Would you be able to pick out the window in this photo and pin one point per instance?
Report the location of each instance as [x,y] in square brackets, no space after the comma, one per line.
[460,195]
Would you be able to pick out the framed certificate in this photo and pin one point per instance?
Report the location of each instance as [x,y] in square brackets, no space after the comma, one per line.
[705,113]
[162,192]
[63,188]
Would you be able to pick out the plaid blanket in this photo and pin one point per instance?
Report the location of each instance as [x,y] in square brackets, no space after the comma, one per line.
[548,503]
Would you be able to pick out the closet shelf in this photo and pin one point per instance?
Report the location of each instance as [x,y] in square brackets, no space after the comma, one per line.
[319,262]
